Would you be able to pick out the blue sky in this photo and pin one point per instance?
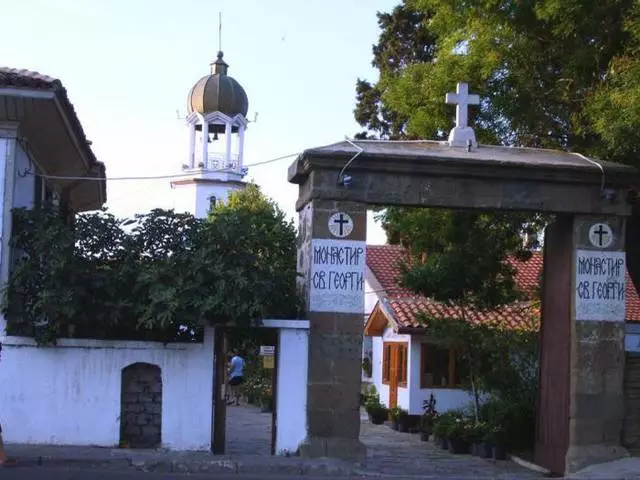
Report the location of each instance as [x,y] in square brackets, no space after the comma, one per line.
[128,66]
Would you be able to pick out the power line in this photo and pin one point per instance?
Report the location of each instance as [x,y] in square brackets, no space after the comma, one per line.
[159,177]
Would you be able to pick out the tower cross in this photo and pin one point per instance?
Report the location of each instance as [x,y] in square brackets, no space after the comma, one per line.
[462,100]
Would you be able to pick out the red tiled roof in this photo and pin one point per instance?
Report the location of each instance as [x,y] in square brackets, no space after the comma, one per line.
[30,80]
[14,77]
[404,305]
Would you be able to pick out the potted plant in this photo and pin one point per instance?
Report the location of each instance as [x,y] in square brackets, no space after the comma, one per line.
[403,420]
[495,439]
[394,414]
[441,429]
[459,433]
[375,409]
[479,447]
[266,400]
[427,418]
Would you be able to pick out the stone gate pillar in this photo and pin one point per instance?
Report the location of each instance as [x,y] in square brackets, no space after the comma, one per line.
[331,259]
[596,412]
[581,404]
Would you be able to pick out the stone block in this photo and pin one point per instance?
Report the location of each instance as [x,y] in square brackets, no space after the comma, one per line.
[320,422]
[135,408]
[130,397]
[156,387]
[346,424]
[586,431]
[335,397]
[350,449]
[144,419]
[146,398]
[132,431]
[613,380]
[612,431]
[154,408]
[151,430]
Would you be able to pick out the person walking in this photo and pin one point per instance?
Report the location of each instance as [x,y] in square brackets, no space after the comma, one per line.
[236,378]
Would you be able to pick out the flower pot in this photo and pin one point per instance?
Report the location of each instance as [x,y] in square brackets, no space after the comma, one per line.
[395,425]
[499,452]
[444,443]
[403,427]
[377,418]
[424,436]
[458,446]
[483,450]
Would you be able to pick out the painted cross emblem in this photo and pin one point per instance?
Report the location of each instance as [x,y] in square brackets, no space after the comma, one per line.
[462,99]
[340,225]
[600,235]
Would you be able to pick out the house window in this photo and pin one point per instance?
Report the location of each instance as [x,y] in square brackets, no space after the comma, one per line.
[212,203]
[438,367]
[395,359]
[386,363]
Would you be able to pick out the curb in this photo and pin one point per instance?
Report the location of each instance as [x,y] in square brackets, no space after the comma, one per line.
[219,466]
[529,465]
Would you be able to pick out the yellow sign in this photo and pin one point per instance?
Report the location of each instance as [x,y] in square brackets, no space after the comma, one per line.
[269,362]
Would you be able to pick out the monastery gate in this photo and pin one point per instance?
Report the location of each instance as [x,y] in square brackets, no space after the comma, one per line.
[581,402]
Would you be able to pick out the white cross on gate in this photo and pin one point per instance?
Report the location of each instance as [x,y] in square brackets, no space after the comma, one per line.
[462,100]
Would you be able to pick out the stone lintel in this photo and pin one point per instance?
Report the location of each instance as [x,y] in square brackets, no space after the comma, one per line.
[468,190]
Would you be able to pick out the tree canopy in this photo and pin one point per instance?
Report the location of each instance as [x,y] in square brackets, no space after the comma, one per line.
[158,276]
[551,73]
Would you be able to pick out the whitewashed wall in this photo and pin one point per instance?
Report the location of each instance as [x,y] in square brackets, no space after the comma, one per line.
[413,397]
[291,400]
[446,398]
[70,394]
[24,183]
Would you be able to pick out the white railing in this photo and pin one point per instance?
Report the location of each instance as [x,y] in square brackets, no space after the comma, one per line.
[218,161]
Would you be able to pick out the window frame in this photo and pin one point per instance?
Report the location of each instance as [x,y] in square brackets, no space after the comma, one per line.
[452,370]
[402,349]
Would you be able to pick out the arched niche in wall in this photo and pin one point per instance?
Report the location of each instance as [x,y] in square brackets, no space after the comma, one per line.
[141,406]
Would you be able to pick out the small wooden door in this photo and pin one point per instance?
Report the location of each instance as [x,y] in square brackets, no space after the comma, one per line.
[395,369]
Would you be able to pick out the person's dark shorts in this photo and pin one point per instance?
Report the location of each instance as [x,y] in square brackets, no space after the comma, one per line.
[236,381]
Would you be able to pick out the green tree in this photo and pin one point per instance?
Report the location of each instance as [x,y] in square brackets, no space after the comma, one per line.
[157,276]
[462,259]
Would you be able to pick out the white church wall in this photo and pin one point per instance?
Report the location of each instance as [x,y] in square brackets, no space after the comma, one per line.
[376,371]
[73,392]
[24,183]
[446,398]
[291,401]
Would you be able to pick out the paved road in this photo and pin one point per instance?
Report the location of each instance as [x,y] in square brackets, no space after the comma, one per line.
[44,473]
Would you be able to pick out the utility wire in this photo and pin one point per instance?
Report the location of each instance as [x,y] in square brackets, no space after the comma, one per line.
[159,177]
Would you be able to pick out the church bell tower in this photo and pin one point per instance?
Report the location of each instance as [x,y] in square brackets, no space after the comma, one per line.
[217,108]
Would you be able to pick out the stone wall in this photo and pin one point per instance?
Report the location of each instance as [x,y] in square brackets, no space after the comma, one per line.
[631,432]
[141,411]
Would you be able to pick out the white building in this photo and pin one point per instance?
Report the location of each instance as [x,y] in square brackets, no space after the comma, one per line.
[217,108]
[122,393]
[406,367]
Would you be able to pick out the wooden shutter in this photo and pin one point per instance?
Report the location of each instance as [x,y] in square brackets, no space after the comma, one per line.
[386,363]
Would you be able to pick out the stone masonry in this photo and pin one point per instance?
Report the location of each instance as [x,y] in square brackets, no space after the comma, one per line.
[141,406]
[335,340]
[631,432]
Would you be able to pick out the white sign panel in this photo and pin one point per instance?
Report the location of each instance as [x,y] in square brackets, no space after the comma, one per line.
[632,342]
[600,285]
[337,276]
[340,225]
[267,350]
